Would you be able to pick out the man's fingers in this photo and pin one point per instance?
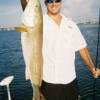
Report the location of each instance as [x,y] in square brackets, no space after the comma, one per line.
[96,73]
[42,97]
[95,76]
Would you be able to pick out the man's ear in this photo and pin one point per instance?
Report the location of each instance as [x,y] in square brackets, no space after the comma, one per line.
[23,3]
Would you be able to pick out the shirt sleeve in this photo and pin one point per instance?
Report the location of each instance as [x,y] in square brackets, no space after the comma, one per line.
[79,41]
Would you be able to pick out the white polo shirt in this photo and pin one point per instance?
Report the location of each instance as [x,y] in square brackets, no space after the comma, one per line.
[59,46]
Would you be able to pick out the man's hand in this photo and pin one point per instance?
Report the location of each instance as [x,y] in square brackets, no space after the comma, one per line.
[88,60]
[42,97]
[23,3]
[37,93]
[96,72]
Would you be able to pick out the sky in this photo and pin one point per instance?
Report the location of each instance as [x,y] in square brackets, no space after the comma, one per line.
[78,10]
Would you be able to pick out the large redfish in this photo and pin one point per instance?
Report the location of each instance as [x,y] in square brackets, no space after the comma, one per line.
[31,39]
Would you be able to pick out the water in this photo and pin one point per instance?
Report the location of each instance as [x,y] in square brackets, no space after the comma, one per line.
[12,63]
[85,79]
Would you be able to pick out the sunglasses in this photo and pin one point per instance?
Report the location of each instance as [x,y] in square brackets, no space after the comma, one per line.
[53,1]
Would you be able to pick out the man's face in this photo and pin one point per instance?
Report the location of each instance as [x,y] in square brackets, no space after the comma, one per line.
[54,7]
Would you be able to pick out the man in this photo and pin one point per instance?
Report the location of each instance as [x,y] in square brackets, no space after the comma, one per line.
[61,39]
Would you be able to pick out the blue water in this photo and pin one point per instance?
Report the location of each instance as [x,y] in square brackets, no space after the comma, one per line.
[12,63]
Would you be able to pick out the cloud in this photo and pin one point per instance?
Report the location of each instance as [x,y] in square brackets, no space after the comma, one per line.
[78,10]
[10,15]
[8,12]
[81,9]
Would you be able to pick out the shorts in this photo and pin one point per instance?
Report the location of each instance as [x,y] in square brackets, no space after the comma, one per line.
[60,91]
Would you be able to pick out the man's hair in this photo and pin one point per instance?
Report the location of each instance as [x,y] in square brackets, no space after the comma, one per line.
[46,1]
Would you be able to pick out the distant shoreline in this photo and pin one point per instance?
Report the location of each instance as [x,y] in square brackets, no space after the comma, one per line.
[88,23]
[8,29]
[79,24]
